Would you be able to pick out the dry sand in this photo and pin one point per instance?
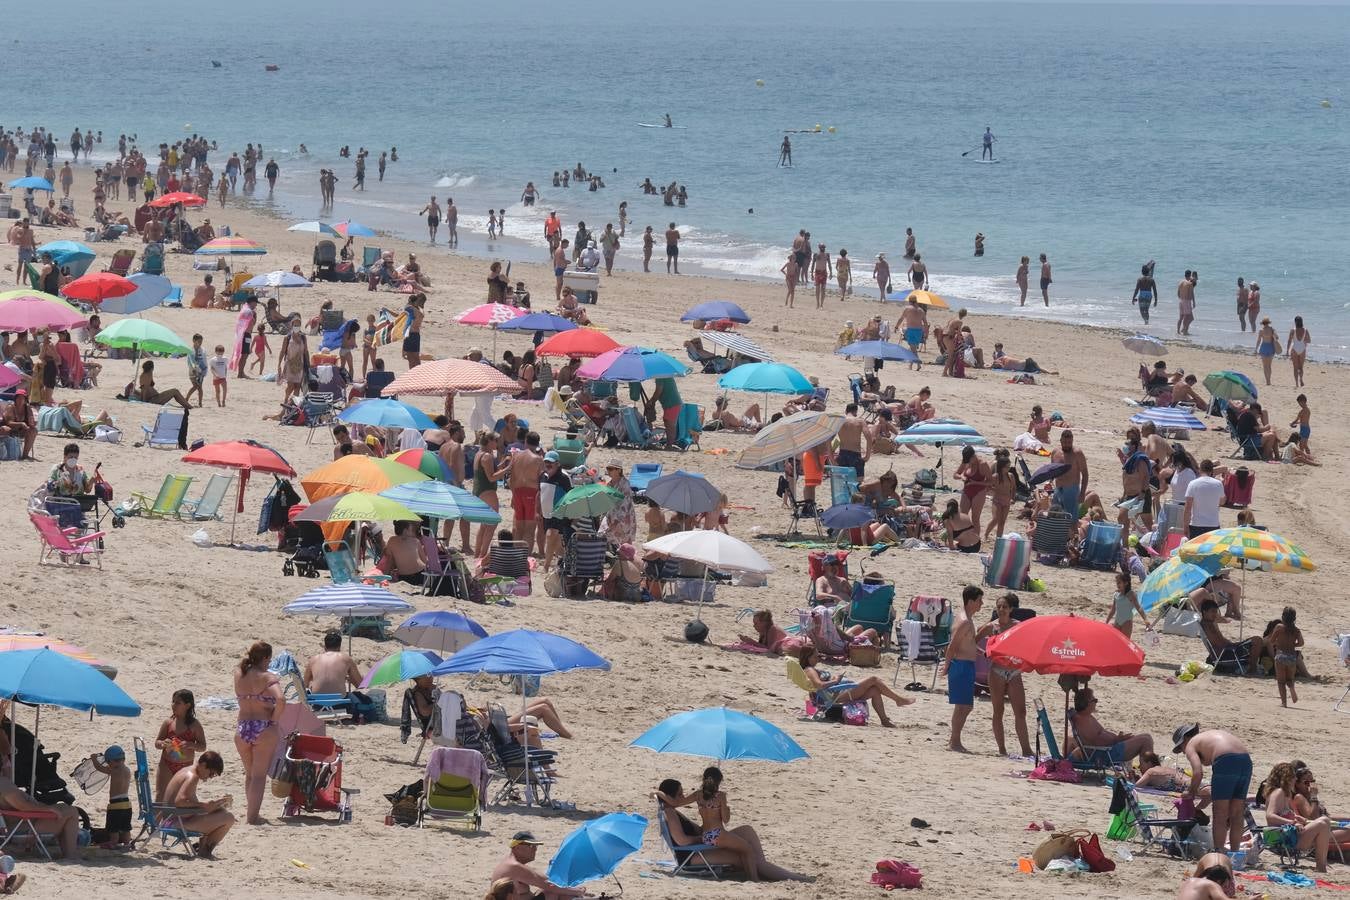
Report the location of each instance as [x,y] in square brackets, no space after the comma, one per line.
[170,615]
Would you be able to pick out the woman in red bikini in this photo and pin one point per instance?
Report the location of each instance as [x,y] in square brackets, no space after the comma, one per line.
[180,738]
[978,478]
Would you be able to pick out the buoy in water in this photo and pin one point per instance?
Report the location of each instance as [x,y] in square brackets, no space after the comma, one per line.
[759,82]
[830,129]
[817,128]
[1326,104]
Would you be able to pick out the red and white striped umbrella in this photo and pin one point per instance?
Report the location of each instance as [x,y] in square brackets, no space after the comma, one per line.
[443,376]
[488,315]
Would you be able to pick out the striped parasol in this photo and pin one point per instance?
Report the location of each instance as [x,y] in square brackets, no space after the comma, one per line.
[1145,344]
[737,344]
[1236,546]
[438,500]
[231,246]
[428,462]
[879,350]
[349,599]
[10,642]
[1169,417]
[444,376]
[940,433]
[788,437]
[1173,579]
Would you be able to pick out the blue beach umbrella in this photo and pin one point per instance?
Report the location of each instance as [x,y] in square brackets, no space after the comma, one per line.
[1168,417]
[940,433]
[721,733]
[522,652]
[438,500]
[440,630]
[1175,578]
[151,290]
[353,229]
[47,678]
[63,252]
[539,321]
[683,492]
[596,849]
[32,182]
[383,413]
[766,378]
[711,310]
[878,350]
[843,516]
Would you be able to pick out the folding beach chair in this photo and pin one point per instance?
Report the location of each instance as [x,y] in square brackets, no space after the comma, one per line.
[583,562]
[798,679]
[922,637]
[1096,759]
[152,259]
[815,567]
[801,509]
[1101,548]
[207,506]
[509,560]
[315,769]
[514,765]
[1009,566]
[636,432]
[642,475]
[873,606]
[167,428]
[1050,540]
[1226,661]
[369,257]
[168,502]
[454,797]
[120,264]
[341,562]
[843,484]
[160,818]
[441,567]
[1137,816]
[331,709]
[690,859]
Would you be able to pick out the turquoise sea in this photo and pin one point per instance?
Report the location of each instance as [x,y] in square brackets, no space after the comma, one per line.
[1195,135]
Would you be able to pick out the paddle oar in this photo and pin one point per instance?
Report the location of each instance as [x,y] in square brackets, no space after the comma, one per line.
[973,149]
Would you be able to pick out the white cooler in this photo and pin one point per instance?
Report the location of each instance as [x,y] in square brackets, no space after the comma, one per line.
[585,284]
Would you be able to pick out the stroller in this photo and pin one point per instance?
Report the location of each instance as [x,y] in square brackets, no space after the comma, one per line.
[307,539]
[325,261]
[47,785]
[71,512]
[313,767]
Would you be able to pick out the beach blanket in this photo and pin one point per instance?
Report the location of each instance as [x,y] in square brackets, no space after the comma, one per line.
[389,327]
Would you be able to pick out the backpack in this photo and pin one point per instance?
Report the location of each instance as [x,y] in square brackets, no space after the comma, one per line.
[926,478]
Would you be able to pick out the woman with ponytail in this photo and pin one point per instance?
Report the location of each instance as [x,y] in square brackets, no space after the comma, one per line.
[256,734]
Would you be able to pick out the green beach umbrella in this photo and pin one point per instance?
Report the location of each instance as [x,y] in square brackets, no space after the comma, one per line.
[142,335]
[358,506]
[1228,385]
[403,665]
[587,500]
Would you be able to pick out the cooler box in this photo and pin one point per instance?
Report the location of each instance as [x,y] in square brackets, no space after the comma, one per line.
[585,284]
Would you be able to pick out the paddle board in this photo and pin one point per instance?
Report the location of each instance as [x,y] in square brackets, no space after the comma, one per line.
[649,125]
[985,161]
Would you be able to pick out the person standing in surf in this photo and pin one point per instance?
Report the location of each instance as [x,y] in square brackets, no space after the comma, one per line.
[451,222]
[988,151]
[785,152]
[881,271]
[1186,302]
[1242,295]
[1145,290]
[433,213]
[672,249]
[1045,279]
[1022,273]
[918,273]
[911,244]
[820,274]
[669,124]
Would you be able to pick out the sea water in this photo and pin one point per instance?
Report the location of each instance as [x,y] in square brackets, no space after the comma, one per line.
[1206,137]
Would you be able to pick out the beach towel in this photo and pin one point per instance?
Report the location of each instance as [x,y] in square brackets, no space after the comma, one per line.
[389,327]
[243,324]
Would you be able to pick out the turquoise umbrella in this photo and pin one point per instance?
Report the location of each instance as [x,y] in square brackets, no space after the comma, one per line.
[438,500]
[721,733]
[596,849]
[766,378]
[1175,578]
[587,500]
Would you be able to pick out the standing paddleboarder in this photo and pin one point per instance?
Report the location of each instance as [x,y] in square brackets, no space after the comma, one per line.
[988,151]
[785,152]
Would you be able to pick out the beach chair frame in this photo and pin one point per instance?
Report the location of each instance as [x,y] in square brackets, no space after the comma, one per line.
[164,432]
[207,506]
[426,810]
[169,501]
[159,818]
[695,863]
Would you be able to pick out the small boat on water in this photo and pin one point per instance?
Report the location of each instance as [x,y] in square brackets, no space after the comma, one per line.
[272,67]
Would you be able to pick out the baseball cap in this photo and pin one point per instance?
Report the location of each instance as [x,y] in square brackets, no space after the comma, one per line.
[551,456]
[114,754]
[1182,734]
[524,837]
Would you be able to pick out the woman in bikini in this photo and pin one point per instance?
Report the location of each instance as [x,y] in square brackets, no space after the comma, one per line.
[256,734]
[1267,345]
[714,812]
[1005,684]
[1297,348]
[962,533]
[1159,777]
[1307,805]
[684,833]
[978,478]
[486,473]
[828,690]
[1004,490]
[1314,834]
[180,738]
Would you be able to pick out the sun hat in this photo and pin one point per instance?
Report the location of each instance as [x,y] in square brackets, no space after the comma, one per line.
[614,464]
[1182,734]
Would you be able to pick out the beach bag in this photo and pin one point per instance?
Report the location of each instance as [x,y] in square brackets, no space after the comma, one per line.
[926,478]
[1181,621]
[107,434]
[865,656]
[1056,770]
[1090,852]
[854,713]
[1060,845]
[404,803]
[553,583]
[892,873]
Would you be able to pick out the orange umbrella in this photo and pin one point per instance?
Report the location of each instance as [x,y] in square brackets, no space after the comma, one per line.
[446,376]
[584,343]
[176,198]
[357,473]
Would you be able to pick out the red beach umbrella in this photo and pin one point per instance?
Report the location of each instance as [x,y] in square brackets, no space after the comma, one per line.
[176,198]
[584,343]
[246,456]
[98,286]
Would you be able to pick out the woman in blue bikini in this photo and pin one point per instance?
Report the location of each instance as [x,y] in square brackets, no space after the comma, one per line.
[1267,345]
[256,734]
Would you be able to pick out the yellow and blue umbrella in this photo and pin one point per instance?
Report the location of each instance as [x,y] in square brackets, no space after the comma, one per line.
[1237,546]
[1174,578]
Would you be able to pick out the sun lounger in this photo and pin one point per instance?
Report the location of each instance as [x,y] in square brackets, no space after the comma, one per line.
[207,506]
[168,502]
[165,432]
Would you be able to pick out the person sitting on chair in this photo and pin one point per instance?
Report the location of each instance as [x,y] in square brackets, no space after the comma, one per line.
[332,671]
[405,559]
[684,832]
[419,701]
[1121,746]
[1248,652]
[64,825]
[833,587]
[624,581]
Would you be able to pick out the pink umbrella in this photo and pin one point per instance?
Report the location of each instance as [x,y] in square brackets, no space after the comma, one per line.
[24,310]
[8,378]
[489,315]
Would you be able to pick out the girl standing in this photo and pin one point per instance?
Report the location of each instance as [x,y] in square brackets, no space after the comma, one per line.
[180,738]
[485,476]
[260,350]
[1285,639]
[369,346]
[1124,605]
[1267,343]
[1297,347]
[1004,490]
[1005,685]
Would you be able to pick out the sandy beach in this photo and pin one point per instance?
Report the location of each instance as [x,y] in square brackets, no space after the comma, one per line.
[171,615]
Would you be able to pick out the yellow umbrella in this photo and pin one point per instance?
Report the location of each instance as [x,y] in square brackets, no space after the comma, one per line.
[927,298]
[357,473]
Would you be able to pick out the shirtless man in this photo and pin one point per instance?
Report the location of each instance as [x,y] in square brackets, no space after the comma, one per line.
[65,825]
[855,444]
[21,237]
[515,867]
[821,270]
[913,324]
[910,243]
[404,558]
[212,819]
[1184,392]
[1045,279]
[951,344]
[1136,478]
[1186,302]
[332,671]
[1123,746]
[1230,776]
[342,439]
[672,249]
[833,588]
[918,273]
[451,222]
[433,213]
[1159,453]
[559,267]
[1247,652]
[526,464]
[958,664]
[452,454]
[1072,485]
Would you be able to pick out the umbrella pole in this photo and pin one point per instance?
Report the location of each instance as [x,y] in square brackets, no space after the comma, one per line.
[13,702]
[525,742]
[1064,750]
[32,774]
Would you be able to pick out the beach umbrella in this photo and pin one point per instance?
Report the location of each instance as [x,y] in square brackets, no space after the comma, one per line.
[67,252]
[351,599]
[587,500]
[1236,547]
[712,310]
[47,678]
[924,298]
[1174,578]
[439,630]
[441,501]
[314,228]
[11,642]
[1048,472]
[356,472]
[278,279]
[488,315]
[539,321]
[177,198]
[522,652]
[1226,385]
[714,549]
[97,287]
[1145,344]
[27,310]
[384,413]
[683,492]
[632,364]
[737,345]
[1174,417]
[8,377]
[789,437]
[142,336]
[879,350]
[151,290]
[940,432]
[231,246]
[428,462]
[32,183]
[402,665]
[721,733]
[580,343]
[244,456]
[356,506]
[766,378]
[353,229]
[451,376]
[843,516]
[596,848]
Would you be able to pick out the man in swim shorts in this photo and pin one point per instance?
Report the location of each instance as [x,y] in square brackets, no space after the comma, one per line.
[1071,486]
[1045,279]
[913,324]
[526,464]
[959,664]
[1230,776]
[433,213]
[852,435]
[559,267]
[672,249]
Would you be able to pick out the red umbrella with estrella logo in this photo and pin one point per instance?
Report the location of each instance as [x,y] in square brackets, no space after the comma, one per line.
[1065,645]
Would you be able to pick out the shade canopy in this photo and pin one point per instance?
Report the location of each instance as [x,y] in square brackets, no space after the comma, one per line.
[350,599]
[766,378]
[632,364]
[48,678]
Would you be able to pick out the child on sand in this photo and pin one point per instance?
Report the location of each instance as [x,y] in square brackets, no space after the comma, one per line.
[1124,605]
[114,765]
[1285,640]
[260,349]
[180,738]
[220,367]
[196,370]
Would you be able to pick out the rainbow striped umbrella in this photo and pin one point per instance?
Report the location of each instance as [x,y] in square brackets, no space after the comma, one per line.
[10,642]
[231,246]
[425,461]
[1236,546]
[402,665]
[1174,578]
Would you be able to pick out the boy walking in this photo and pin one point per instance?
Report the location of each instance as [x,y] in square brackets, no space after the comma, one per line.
[196,363]
[220,368]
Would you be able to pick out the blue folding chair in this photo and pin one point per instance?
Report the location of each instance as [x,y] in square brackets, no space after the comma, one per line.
[872,606]
[636,432]
[159,818]
[164,433]
[1101,548]
[643,474]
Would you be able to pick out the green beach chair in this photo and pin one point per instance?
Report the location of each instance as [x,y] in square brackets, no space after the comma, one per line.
[169,500]
[207,506]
